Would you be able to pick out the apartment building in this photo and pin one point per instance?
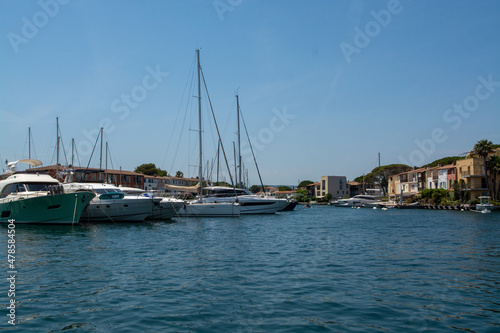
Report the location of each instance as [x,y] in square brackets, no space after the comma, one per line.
[335,185]
[471,170]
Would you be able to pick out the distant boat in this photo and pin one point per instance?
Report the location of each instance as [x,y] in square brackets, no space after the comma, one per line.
[39,198]
[484,206]
[359,200]
[250,203]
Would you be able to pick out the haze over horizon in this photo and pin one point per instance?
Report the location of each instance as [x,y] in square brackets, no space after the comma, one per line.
[323,86]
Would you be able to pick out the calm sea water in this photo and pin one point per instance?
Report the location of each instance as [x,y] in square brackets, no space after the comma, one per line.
[323,269]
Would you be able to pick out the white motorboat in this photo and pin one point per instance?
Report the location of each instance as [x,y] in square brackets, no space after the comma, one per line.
[484,205]
[250,203]
[164,208]
[360,200]
[39,198]
[111,204]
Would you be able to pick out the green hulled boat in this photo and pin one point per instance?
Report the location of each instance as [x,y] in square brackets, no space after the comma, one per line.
[35,198]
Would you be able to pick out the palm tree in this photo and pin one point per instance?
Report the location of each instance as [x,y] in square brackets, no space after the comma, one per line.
[179,174]
[493,165]
[483,148]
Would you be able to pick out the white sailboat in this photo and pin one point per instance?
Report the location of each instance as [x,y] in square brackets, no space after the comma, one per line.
[250,203]
[200,207]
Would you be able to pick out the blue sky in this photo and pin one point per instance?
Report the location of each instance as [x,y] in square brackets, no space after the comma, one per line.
[324,85]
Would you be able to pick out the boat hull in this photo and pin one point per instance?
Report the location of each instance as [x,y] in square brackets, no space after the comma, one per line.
[481,207]
[251,204]
[117,210]
[165,210]
[291,206]
[198,209]
[65,208]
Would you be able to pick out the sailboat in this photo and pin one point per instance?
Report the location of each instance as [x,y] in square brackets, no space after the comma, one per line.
[250,203]
[200,207]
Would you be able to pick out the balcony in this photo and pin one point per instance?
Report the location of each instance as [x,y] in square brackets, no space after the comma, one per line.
[468,174]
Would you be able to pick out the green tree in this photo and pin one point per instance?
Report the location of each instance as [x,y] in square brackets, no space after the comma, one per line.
[304,183]
[493,166]
[439,196]
[255,188]
[483,148]
[150,169]
[386,171]
[179,174]
[443,161]
[301,195]
[284,188]
[328,196]
[222,184]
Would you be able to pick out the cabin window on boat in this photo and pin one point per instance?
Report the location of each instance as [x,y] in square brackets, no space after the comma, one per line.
[18,188]
[12,188]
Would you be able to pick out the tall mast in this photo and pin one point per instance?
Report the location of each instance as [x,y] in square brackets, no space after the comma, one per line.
[200,172]
[57,145]
[73,152]
[29,143]
[235,164]
[379,179]
[100,160]
[239,141]
[218,155]
[106,173]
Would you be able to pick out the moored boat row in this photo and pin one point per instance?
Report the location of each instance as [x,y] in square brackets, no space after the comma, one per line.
[39,198]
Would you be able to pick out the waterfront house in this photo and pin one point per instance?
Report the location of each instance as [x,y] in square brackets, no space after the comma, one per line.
[284,194]
[451,176]
[432,178]
[407,184]
[355,188]
[313,190]
[335,185]
[154,183]
[472,170]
